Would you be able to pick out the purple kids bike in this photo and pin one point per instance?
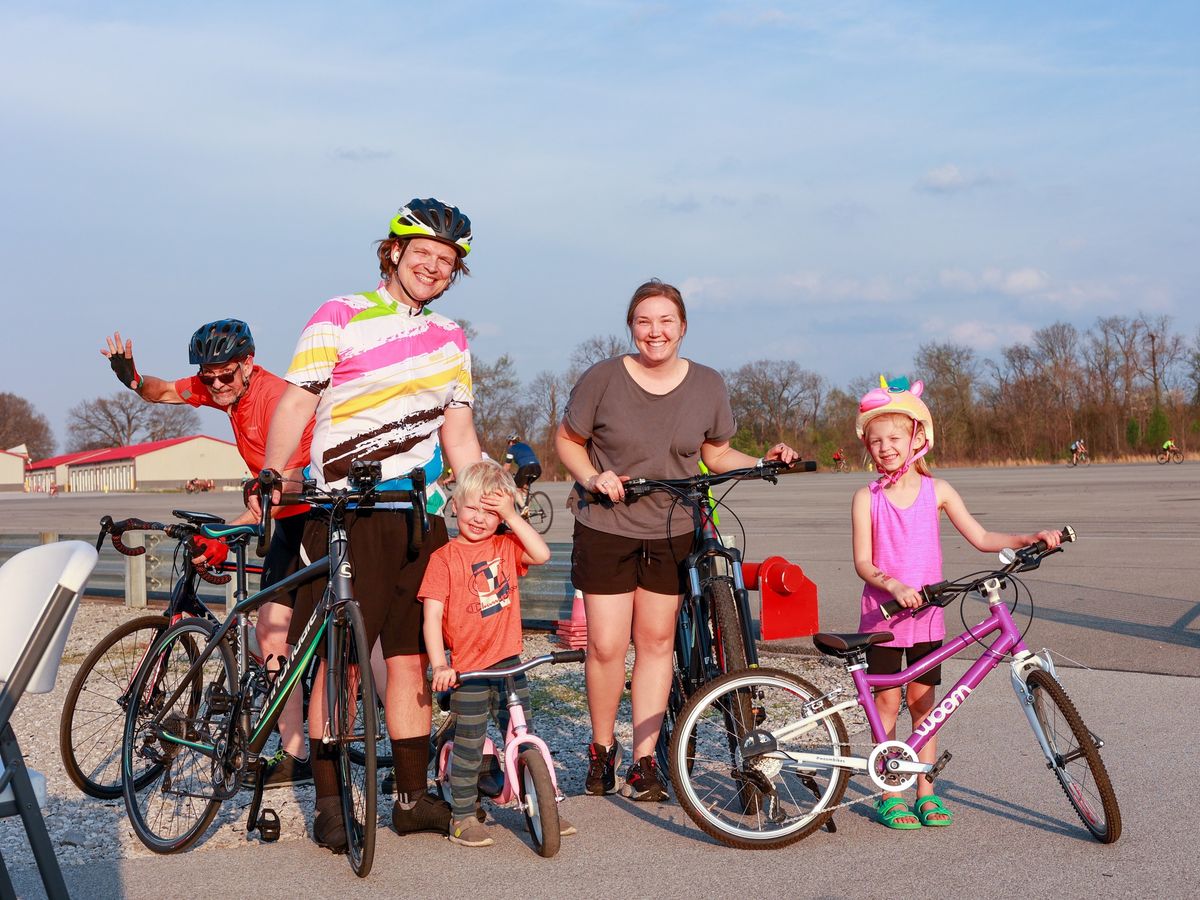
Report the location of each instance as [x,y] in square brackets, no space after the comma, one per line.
[760,758]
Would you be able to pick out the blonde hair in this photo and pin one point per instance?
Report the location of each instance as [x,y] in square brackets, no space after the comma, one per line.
[910,425]
[484,477]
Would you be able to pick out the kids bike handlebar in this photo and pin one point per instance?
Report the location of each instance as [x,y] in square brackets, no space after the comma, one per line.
[559,656]
[1025,559]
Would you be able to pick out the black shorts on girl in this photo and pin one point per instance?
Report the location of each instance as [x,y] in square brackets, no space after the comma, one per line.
[603,563]
[887,661]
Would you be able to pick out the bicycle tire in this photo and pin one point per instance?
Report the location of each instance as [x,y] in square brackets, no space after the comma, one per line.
[1163,457]
[1177,457]
[356,727]
[1095,804]
[538,801]
[170,810]
[540,512]
[92,723]
[383,743]
[794,800]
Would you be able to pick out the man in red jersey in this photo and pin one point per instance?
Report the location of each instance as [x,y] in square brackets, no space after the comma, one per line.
[229,380]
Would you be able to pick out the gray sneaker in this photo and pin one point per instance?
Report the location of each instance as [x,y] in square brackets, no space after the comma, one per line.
[470,833]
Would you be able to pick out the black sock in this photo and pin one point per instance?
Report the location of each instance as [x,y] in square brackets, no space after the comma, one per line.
[324,770]
[410,756]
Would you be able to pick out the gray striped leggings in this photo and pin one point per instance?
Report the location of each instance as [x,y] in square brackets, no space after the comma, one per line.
[473,704]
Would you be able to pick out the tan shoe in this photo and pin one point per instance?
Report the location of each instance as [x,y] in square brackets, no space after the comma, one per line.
[470,833]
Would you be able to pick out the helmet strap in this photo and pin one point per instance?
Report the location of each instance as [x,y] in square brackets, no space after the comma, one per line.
[892,477]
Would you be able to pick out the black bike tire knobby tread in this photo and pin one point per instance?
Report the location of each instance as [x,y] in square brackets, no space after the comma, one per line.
[842,777]
[66,742]
[193,834]
[1040,679]
[724,606]
[531,760]
[362,857]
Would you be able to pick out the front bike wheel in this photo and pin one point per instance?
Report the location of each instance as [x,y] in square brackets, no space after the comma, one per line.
[174,773]
[787,760]
[356,735]
[383,743]
[1177,456]
[93,715]
[540,512]
[1075,759]
[538,801]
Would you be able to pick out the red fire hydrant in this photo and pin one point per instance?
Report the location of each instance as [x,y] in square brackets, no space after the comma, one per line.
[789,598]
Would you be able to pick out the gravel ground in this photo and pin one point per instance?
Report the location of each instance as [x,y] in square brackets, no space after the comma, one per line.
[84,830]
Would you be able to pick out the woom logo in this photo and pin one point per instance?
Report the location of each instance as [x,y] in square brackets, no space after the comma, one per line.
[942,711]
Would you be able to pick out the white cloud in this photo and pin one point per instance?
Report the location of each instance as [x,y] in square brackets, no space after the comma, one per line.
[950,179]
[1012,282]
[982,336]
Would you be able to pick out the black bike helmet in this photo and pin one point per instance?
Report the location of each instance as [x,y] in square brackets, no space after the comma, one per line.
[220,342]
[433,219]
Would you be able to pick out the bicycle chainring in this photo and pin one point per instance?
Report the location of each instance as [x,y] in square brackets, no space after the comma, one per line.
[881,775]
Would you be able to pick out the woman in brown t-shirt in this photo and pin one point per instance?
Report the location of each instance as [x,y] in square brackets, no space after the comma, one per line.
[649,413]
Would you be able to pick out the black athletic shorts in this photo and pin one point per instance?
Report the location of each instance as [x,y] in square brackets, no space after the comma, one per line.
[283,555]
[887,661]
[603,563]
[384,578]
[527,474]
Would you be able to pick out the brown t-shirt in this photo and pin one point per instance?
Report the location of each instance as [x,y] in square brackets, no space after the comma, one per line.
[636,433]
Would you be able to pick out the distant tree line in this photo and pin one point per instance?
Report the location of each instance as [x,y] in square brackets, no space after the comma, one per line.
[1125,385]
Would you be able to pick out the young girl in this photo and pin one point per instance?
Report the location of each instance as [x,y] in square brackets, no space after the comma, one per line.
[896,552]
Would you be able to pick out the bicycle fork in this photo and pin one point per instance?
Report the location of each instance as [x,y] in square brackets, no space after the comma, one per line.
[1021,667]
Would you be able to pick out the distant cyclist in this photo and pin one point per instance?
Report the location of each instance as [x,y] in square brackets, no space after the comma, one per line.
[229,380]
[1169,444]
[521,457]
[1078,449]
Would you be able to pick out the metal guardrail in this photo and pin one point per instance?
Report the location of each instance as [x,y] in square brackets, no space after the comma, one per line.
[546,592]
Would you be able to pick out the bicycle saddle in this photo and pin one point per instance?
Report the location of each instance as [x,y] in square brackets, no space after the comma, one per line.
[197,518]
[229,532]
[846,644]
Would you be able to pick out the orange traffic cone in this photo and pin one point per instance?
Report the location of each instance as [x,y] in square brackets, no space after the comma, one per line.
[572,633]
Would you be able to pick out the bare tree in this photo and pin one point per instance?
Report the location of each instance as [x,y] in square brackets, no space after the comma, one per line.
[593,350]
[20,423]
[124,419]
[774,400]
[497,397]
[949,372]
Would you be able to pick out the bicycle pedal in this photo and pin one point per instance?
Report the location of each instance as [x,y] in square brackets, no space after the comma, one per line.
[938,766]
[267,826]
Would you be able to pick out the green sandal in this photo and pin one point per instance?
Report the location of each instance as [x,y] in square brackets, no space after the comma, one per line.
[893,808]
[937,807]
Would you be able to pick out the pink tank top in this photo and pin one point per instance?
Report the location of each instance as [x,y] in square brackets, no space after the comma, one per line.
[905,544]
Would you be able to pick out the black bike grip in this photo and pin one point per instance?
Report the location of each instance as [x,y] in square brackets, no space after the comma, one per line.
[890,608]
[1068,534]
[567,656]
[931,592]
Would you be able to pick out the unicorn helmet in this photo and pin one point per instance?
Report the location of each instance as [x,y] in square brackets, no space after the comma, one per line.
[895,396]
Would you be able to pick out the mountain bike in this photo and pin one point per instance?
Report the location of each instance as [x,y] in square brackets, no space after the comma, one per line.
[1171,454]
[527,772]
[713,632]
[203,710]
[93,713]
[794,759]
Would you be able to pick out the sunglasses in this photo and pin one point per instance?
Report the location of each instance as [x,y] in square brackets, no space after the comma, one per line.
[210,378]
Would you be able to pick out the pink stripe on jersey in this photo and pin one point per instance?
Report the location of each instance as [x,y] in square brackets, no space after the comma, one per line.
[402,347]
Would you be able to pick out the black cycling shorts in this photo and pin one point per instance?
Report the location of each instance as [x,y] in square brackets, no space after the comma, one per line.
[887,661]
[603,563]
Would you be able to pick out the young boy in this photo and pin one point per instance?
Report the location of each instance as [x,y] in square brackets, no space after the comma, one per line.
[472,608]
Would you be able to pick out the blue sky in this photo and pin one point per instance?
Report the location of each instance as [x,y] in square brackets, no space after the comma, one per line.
[834,183]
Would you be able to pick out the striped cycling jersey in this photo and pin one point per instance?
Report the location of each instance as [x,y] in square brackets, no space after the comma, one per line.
[385,378]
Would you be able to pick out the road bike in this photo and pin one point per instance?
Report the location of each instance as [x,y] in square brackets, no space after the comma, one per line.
[1171,454]
[525,768]
[1079,459]
[714,629]
[93,713]
[534,507]
[203,708]
[793,758]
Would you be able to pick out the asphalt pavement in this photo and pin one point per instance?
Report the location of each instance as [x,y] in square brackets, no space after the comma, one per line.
[1122,601]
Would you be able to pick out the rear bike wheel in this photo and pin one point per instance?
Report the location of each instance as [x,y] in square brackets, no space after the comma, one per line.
[1075,759]
[539,512]
[356,735]
[538,801]
[793,797]
[93,715]
[1163,457]
[175,775]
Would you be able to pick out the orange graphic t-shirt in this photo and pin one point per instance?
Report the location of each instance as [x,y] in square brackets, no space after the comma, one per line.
[481,623]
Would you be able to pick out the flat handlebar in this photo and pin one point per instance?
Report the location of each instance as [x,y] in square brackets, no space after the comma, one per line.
[559,656]
[943,593]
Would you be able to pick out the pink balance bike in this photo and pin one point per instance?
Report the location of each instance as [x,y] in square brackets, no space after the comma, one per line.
[525,770]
